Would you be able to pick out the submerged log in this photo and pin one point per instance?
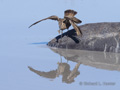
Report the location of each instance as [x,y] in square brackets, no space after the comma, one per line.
[96,37]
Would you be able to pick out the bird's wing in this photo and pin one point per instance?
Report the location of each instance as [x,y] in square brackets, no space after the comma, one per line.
[74,19]
[51,17]
[77,29]
[50,74]
[70,13]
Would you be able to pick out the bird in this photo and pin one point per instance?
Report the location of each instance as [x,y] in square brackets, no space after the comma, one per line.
[66,22]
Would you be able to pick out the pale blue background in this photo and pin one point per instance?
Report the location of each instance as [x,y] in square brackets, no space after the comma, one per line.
[17,51]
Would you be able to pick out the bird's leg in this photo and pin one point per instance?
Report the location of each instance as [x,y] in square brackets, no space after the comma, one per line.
[61,58]
[58,40]
[67,39]
[61,34]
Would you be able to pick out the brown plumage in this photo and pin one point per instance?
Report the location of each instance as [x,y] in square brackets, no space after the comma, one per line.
[66,22]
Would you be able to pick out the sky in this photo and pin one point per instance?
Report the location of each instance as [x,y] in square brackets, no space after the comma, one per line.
[32,10]
[19,14]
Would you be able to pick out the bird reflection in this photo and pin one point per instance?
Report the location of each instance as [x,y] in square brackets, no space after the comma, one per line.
[63,69]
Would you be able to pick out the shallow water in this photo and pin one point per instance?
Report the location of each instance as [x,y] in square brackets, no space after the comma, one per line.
[26,63]
[41,68]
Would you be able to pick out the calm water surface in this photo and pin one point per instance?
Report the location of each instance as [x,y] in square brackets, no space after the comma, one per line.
[26,63]
[39,67]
